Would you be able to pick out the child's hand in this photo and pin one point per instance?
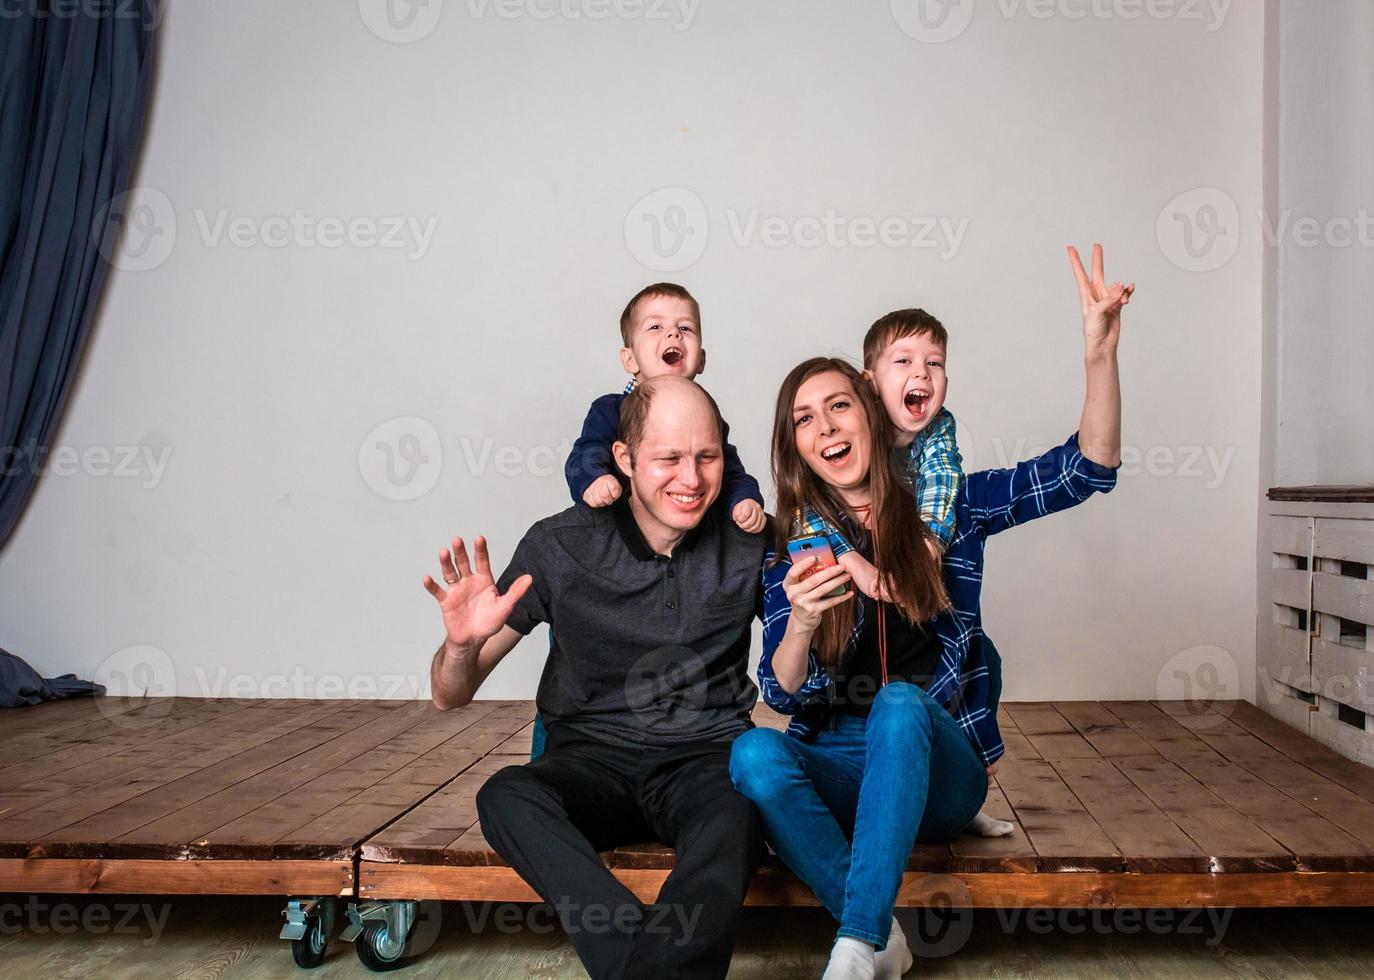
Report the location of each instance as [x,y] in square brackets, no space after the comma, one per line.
[864,574]
[992,771]
[1101,303]
[604,491]
[749,516]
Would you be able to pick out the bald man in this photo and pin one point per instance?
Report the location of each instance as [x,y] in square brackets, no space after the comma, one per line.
[650,603]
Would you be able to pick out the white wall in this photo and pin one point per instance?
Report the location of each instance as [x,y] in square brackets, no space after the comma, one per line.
[1325,410]
[263,551]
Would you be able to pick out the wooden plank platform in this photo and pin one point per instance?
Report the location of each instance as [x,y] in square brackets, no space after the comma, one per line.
[1114,803]
[199,796]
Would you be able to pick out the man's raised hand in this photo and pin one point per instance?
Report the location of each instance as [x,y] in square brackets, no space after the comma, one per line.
[1101,303]
[473,609]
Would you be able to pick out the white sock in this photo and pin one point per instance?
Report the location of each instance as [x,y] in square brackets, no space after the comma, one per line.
[850,959]
[986,826]
[896,959]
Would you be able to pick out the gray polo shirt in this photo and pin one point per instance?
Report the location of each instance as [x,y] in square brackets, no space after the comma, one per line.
[647,650]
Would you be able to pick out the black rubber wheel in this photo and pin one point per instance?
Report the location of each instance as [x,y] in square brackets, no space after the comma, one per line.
[367,949]
[309,950]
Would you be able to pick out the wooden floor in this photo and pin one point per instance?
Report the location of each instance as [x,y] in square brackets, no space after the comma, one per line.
[136,938]
[1115,803]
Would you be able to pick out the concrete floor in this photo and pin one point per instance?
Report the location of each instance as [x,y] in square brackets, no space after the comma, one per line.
[206,938]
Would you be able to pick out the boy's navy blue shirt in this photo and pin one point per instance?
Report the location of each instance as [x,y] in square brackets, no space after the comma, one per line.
[591,455]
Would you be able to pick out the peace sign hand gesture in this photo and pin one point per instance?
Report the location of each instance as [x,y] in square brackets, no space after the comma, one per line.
[473,609]
[1101,303]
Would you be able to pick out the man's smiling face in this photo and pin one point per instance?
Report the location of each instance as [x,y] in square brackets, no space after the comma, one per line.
[677,468]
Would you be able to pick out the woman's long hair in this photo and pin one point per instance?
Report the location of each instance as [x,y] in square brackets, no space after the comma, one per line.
[901,554]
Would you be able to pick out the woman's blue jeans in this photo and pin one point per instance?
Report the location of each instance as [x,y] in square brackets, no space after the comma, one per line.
[844,811]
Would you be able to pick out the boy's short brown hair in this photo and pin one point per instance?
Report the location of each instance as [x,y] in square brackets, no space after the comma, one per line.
[897,325]
[627,319]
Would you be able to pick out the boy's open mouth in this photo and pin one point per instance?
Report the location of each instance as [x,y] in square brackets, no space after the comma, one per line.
[836,453]
[916,402]
[672,355]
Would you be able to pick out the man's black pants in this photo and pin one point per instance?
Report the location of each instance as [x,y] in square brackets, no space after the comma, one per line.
[550,817]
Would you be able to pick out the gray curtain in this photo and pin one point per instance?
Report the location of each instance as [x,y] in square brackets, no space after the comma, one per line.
[74,81]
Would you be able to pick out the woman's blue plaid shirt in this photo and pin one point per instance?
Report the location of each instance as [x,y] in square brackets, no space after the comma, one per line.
[989,501]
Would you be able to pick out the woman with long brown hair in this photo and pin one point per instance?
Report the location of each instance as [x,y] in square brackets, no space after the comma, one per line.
[892,729]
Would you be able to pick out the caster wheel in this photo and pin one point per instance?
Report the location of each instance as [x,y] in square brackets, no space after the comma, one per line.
[309,950]
[377,952]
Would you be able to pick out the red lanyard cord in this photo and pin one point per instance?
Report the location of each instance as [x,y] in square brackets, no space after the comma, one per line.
[882,611]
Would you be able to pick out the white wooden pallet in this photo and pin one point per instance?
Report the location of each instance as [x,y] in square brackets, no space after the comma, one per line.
[1315,658]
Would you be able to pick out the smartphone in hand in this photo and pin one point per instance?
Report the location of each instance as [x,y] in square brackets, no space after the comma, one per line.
[814,546]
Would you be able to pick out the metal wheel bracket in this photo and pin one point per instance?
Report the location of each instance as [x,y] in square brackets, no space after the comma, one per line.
[298,913]
[398,918]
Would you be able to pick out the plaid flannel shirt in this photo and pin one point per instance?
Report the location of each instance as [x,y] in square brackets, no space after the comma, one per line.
[932,466]
[988,501]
